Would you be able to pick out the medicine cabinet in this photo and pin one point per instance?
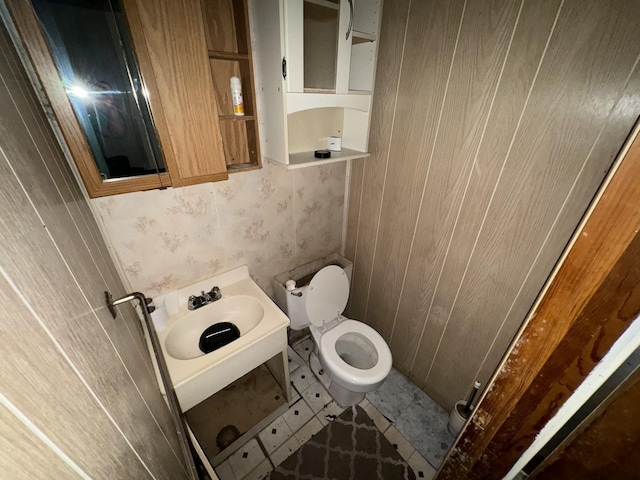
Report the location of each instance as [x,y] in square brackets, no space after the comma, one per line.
[316,61]
[140,88]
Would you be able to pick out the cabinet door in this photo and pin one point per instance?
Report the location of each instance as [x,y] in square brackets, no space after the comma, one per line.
[316,45]
[97,99]
[172,34]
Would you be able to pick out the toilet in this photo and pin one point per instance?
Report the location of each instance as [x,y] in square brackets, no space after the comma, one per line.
[349,357]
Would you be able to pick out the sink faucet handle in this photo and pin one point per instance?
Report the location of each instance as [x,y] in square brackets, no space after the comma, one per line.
[194,302]
[215,294]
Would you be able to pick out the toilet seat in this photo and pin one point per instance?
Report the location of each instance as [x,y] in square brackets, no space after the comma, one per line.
[342,371]
[326,299]
[327,295]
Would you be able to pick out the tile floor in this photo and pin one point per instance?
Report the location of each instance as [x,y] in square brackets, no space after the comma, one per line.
[411,421]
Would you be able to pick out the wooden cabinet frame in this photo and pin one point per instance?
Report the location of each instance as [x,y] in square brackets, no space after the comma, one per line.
[198,170]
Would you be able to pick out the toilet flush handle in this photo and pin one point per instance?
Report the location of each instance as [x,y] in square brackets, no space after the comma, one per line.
[297,294]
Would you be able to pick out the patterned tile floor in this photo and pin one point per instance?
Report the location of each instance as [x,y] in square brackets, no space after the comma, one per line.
[399,409]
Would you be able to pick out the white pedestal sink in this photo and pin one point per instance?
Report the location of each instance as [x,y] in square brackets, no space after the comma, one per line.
[263,334]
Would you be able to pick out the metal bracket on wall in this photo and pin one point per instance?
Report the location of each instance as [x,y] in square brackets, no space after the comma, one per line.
[109,299]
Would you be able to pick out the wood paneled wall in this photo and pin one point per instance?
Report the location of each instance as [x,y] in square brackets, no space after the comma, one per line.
[494,123]
[78,396]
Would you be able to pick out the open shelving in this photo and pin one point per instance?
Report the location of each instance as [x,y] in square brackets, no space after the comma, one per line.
[229,47]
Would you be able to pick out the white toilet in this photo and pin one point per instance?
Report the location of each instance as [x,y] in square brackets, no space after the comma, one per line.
[350,358]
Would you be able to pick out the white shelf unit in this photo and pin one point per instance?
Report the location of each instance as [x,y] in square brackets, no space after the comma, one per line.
[306,159]
[298,113]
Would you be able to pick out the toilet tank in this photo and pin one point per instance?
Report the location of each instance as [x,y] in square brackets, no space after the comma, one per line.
[294,305]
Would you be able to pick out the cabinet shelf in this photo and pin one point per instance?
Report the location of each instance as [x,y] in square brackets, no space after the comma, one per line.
[230,54]
[362,37]
[324,3]
[242,167]
[306,159]
[236,118]
[219,55]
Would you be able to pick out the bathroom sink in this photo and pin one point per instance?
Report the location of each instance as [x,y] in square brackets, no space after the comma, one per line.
[263,335]
[182,341]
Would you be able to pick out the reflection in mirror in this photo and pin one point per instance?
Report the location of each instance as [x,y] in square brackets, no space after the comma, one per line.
[320,45]
[91,45]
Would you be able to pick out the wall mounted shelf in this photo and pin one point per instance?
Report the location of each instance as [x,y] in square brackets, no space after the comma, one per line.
[316,66]
[306,159]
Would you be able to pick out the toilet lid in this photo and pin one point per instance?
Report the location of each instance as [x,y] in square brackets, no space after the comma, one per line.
[327,295]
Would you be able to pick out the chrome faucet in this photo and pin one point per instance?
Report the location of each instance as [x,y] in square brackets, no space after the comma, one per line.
[205,298]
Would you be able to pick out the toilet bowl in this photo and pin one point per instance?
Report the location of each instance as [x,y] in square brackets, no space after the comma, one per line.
[350,358]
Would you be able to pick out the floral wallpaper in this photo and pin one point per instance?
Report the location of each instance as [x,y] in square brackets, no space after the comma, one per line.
[271,219]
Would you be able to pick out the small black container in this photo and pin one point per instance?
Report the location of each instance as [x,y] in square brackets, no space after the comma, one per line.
[218,335]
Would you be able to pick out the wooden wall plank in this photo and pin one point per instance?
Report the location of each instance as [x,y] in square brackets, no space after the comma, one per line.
[79,375]
[591,300]
[604,150]
[392,33]
[485,36]
[417,113]
[486,238]
[33,372]
[70,316]
[521,62]
[548,154]
[89,249]
[23,456]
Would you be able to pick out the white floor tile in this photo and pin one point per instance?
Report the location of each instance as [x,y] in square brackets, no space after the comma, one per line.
[309,430]
[304,348]
[364,403]
[400,443]
[246,459]
[260,471]
[381,422]
[298,414]
[330,412]
[316,397]
[224,471]
[302,378]
[284,451]
[421,467]
[275,434]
